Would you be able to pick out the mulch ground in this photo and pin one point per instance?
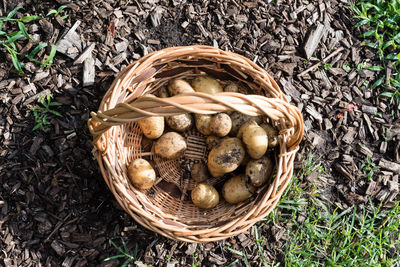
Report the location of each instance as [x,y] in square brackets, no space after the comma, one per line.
[56,210]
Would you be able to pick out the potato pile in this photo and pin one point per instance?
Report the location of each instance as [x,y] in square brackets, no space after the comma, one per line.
[238,147]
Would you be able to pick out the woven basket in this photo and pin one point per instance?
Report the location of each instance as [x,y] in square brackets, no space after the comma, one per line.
[166,208]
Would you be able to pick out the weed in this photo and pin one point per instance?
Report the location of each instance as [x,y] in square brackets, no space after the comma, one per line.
[124,252]
[8,41]
[346,67]
[368,167]
[327,66]
[383,19]
[56,12]
[40,113]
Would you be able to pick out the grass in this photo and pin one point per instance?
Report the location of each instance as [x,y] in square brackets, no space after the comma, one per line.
[383,20]
[9,39]
[369,167]
[124,252]
[56,12]
[41,112]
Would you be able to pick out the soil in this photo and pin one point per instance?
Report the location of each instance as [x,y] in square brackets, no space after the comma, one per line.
[55,208]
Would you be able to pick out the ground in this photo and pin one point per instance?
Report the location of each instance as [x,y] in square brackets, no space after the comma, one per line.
[56,210]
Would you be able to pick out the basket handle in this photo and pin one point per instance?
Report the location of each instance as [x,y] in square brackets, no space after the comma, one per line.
[200,103]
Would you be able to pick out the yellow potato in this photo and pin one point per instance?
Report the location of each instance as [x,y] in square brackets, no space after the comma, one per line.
[180,123]
[205,196]
[244,128]
[272,134]
[236,189]
[199,172]
[256,141]
[179,86]
[152,127]
[163,93]
[220,124]
[232,87]
[259,170]
[141,174]
[212,141]
[170,146]
[225,157]
[238,119]
[206,84]
[203,123]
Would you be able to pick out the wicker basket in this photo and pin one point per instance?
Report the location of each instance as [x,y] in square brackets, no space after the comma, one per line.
[166,207]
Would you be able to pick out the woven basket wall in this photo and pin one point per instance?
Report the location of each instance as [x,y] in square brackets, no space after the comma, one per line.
[166,208]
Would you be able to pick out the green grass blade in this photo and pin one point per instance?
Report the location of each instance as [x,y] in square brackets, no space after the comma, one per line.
[22,28]
[126,262]
[15,61]
[55,104]
[375,68]
[30,18]
[49,60]
[114,257]
[377,83]
[36,50]
[13,12]
[13,39]
[37,126]
[55,113]
[62,8]
[53,11]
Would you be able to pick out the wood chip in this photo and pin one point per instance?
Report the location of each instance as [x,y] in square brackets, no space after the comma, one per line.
[389,165]
[88,72]
[313,40]
[85,54]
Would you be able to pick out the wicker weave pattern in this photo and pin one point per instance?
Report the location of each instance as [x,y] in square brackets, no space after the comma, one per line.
[118,139]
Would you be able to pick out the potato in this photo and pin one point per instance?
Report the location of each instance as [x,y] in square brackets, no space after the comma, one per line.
[206,84]
[152,127]
[225,157]
[244,127]
[163,93]
[259,170]
[220,124]
[232,87]
[238,119]
[180,123]
[203,123]
[272,134]
[170,145]
[212,141]
[256,141]
[236,189]
[179,86]
[199,172]
[205,196]
[141,174]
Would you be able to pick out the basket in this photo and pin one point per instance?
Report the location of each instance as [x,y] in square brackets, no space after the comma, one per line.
[166,208]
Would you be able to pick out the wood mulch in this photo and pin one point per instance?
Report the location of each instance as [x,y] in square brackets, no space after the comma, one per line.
[55,209]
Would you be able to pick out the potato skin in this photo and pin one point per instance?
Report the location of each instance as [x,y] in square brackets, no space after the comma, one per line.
[206,84]
[203,123]
[163,93]
[232,87]
[179,86]
[259,170]
[170,145]
[256,141]
[212,141]
[272,134]
[152,127]
[141,174]
[225,157]
[244,128]
[236,189]
[238,119]
[199,172]
[220,124]
[180,123]
[205,196]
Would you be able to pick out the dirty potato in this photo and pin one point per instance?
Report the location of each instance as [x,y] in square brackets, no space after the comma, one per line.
[170,145]
[152,127]
[141,174]
[205,196]
[238,119]
[236,189]
[179,86]
[163,93]
[180,123]
[272,134]
[212,141]
[259,170]
[232,87]
[206,84]
[220,124]
[203,123]
[256,141]
[199,172]
[225,157]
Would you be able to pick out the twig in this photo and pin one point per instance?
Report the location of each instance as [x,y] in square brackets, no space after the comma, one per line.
[58,226]
[334,53]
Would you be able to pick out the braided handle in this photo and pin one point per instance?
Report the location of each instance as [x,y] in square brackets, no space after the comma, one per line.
[200,103]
